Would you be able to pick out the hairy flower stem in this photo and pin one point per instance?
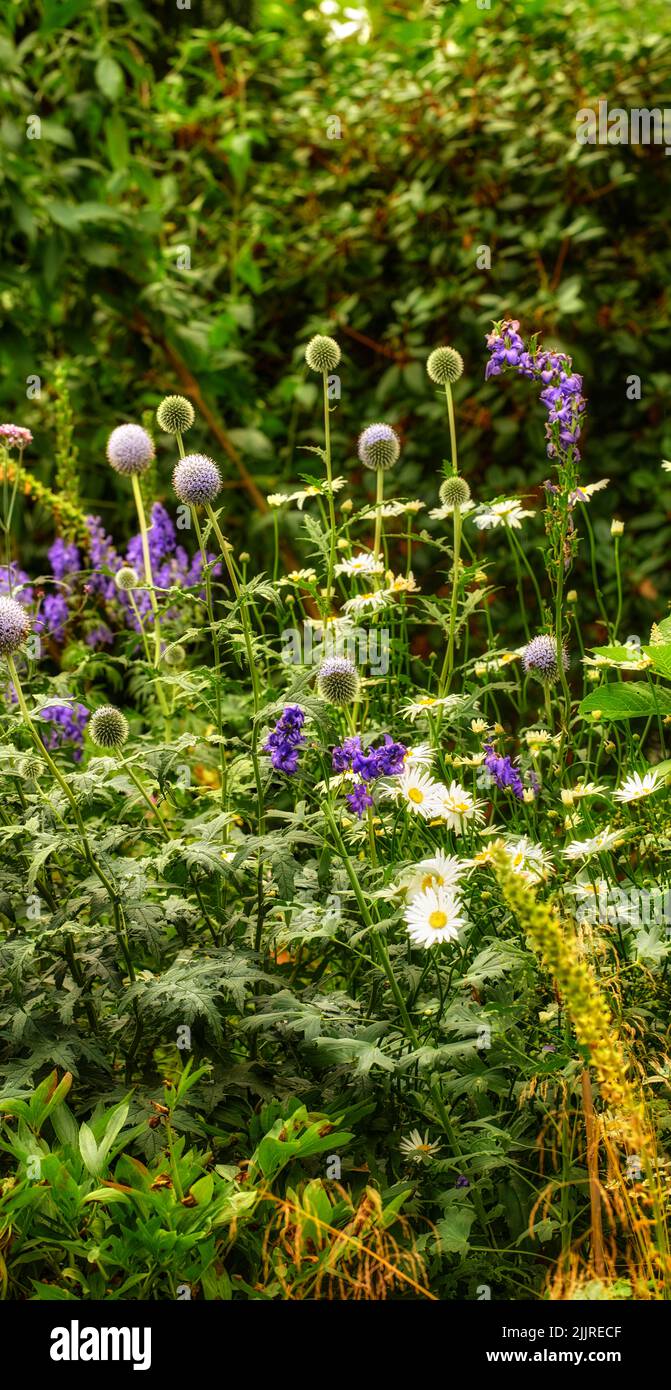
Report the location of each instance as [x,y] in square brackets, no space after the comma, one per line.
[448,662]
[453,432]
[69,795]
[618,580]
[329,484]
[149,580]
[379,499]
[217,654]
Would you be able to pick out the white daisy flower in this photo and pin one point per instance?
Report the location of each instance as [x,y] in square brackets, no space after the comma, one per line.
[419,792]
[278,499]
[442,513]
[441,871]
[634,788]
[430,704]
[367,603]
[417,1148]
[421,755]
[299,577]
[506,512]
[583,849]
[529,859]
[392,508]
[401,583]
[458,806]
[363,563]
[434,916]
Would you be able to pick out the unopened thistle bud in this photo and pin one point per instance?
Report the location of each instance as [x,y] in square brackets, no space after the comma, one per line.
[108,727]
[175,656]
[130,449]
[540,659]
[338,681]
[127,579]
[196,479]
[379,446]
[322,354]
[445,365]
[31,768]
[175,415]
[454,492]
[14,625]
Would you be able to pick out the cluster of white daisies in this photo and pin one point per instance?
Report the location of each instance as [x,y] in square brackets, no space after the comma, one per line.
[434,907]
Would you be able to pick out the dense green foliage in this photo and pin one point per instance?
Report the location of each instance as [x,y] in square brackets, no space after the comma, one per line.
[331,981]
[216,144]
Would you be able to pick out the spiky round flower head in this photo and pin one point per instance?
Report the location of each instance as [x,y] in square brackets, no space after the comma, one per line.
[379,446]
[14,625]
[127,579]
[196,479]
[130,449]
[454,492]
[30,768]
[540,659]
[322,354]
[175,415]
[338,681]
[108,727]
[175,656]
[445,365]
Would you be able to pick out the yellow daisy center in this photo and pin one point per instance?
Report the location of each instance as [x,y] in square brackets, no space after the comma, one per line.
[416,795]
[431,880]
[438,920]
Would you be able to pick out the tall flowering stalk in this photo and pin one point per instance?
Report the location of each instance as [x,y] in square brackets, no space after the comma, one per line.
[130,451]
[322,355]
[445,366]
[562,395]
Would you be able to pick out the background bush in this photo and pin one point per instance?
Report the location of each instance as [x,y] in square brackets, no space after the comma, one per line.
[173,137]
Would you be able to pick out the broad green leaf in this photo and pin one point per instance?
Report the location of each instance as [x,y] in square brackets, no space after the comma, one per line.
[109,77]
[627,700]
[89,1150]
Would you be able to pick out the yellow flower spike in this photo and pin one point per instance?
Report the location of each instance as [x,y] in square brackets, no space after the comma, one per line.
[586,1005]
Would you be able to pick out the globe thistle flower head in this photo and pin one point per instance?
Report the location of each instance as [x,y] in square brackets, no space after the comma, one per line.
[338,681]
[127,579]
[175,656]
[454,491]
[108,727]
[30,768]
[175,415]
[196,479]
[379,446]
[322,354]
[445,365]
[130,450]
[14,625]
[540,659]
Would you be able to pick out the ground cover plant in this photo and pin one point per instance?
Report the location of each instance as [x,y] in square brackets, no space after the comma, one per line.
[335,905]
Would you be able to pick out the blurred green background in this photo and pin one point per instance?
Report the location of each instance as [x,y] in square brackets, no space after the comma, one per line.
[211,185]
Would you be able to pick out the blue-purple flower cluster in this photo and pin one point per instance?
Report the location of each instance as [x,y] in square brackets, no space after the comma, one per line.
[286,740]
[172,566]
[562,395]
[68,725]
[504,772]
[368,764]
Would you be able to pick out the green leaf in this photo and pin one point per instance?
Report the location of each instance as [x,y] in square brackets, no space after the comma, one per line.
[89,1150]
[454,1229]
[109,77]
[627,700]
[660,656]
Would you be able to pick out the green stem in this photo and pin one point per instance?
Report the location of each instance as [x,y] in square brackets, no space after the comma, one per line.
[329,481]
